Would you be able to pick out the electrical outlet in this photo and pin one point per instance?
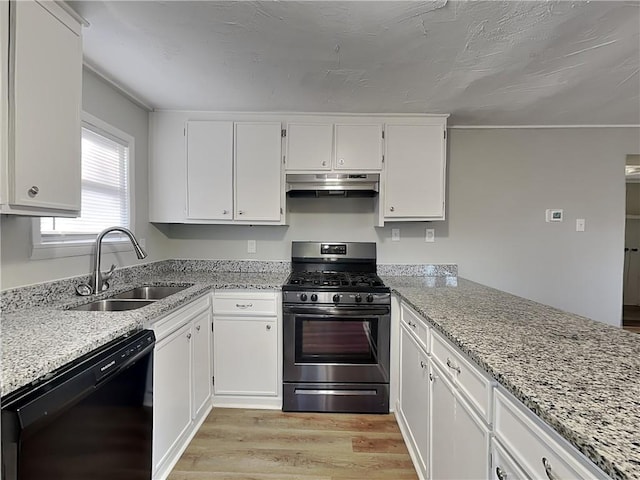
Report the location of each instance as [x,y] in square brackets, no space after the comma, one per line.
[430,235]
[395,234]
[251,246]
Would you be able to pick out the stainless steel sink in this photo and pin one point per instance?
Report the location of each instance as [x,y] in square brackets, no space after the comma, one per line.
[111,305]
[149,292]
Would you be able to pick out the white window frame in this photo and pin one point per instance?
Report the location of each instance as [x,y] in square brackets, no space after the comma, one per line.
[112,243]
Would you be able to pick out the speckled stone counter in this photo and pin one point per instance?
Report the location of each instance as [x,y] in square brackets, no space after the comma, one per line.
[38,340]
[580,376]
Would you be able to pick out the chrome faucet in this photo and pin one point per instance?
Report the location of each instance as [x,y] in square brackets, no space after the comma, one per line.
[99,281]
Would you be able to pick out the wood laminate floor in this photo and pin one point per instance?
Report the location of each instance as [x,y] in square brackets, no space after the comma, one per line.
[235,444]
[631,318]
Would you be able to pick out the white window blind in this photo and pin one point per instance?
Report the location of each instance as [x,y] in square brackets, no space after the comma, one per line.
[105,190]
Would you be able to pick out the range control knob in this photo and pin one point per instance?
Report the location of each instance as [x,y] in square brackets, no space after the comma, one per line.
[336,298]
[369,298]
[358,298]
[303,297]
[314,297]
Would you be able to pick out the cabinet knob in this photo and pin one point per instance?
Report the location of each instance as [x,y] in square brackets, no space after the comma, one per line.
[268,327]
[341,161]
[198,328]
[324,163]
[501,474]
[240,212]
[548,470]
[431,377]
[188,336]
[422,364]
[392,209]
[225,212]
[33,191]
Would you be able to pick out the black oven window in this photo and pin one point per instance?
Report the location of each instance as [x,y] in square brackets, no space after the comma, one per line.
[336,341]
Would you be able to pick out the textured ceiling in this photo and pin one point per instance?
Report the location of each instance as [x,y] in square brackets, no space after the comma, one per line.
[484,62]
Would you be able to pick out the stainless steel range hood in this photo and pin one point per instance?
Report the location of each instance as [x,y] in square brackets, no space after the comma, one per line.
[333,184]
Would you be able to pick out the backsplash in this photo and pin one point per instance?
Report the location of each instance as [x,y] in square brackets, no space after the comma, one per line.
[62,291]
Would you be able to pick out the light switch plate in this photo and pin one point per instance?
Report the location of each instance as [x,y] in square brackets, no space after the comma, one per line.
[251,246]
[430,235]
[580,224]
[395,234]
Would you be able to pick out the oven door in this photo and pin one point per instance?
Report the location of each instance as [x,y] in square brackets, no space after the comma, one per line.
[333,344]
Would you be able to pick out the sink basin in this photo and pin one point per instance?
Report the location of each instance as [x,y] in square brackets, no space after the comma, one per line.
[110,305]
[149,292]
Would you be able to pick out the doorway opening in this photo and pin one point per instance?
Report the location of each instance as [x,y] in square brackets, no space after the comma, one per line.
[631,281]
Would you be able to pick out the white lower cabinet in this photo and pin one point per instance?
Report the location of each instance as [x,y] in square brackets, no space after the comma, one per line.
[182,381]
[503,467]
[247,349]
[414,398]
[535,447]
[459,438]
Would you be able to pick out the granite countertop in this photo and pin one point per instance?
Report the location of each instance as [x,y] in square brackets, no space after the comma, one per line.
[38,340]
[580,376]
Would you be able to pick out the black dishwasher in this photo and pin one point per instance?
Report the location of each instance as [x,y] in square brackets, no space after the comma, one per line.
[90,420]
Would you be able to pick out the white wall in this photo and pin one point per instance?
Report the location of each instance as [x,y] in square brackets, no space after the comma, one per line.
[104,102]
[500,183]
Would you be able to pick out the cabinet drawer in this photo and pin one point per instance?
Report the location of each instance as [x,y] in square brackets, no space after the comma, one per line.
[503,467]
[416,326]
[474,385]
[175,319]
[245,304]
[539,450]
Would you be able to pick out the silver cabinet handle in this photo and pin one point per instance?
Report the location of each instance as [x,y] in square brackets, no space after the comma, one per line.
[392,209]
[198,328]
[324,163]
[548,470]
[240,212]
[501,474]
[422,364]
[268,327]
[244,305]
[432,377]
[188,336]
[341,161]
[33,191]
[451,365]
[225,212]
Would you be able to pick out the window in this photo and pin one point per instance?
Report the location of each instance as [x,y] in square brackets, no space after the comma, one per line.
[106,195]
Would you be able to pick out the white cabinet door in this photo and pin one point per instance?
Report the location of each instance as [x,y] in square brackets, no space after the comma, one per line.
[414,396]
[503,467]
[358,147]
[414,181]
[245,356]
[309,146]
[172,392]
[459,439]
[45,108]
[258,150]
[202,363]
[210,170]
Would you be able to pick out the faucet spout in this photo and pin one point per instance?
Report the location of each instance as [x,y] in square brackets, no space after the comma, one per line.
[98,279]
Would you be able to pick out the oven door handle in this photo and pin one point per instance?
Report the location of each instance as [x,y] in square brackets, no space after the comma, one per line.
[330,312]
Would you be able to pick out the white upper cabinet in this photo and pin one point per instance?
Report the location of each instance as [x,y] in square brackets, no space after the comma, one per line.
[204,168]
[43,163]
[210,170]
[358,147]
[354,147]
[414,175]
[309,146]
[258,153]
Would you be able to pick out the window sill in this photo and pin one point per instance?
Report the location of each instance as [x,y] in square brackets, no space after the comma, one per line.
[45,251]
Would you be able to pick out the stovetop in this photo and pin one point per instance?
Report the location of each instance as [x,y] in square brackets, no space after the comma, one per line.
[334,279]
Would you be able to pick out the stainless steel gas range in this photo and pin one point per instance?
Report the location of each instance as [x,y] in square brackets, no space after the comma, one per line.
[336,323]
